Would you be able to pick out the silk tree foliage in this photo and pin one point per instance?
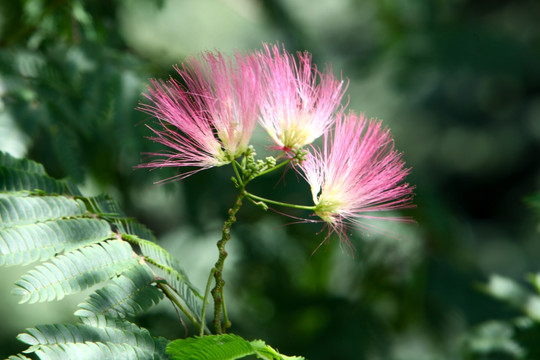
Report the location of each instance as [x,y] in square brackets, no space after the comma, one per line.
[80,242]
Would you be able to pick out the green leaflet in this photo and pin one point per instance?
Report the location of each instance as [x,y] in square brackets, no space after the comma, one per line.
[103,204]
[494,336]
[163,264]
[38,227]
[170,264]
[109,209]
[92,350]
[101,338]
[18,357]
[129,294]
[75,271]
[29,166]
[131,227]
[503,336]
[222,347]
[21,245]
[515,294]
[507,290]
[168,268]
[12,180]
[25,210]
[266,352]
[18,175]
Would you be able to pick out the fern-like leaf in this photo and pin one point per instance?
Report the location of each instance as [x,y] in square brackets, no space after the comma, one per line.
[109,209]
[24,175]
[25,210]
[82,241]
[130,294]
[21,245]
[75,271]
[101,338]
[18,357]
[170,270]
[93,351]
[8,161]
[106,205]
[131,227]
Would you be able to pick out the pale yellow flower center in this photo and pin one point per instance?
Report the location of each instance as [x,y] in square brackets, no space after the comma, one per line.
[296,135]
[222,157]
[328,205]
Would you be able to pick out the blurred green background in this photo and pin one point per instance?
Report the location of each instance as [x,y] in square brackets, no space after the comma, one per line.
[457,81]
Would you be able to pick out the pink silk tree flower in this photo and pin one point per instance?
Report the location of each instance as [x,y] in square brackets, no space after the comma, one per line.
[299,102]
[209,120]
[357,174]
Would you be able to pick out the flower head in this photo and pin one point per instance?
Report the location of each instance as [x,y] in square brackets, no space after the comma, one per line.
[358,172]
[209,120]
[299,102]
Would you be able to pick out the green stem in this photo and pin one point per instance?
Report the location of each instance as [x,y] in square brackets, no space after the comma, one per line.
[171,296]
[217,291]
[167,289]
[238,176]
[205,300]
[274,168]
[226,320]
[258,198]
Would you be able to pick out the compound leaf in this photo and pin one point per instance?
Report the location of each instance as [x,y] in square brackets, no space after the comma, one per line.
[101,338]
[75,271]
[223,347]
[129,294]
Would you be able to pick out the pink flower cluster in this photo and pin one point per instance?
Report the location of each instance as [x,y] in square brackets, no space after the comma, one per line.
[299,102]
[208,118]
[356,174]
